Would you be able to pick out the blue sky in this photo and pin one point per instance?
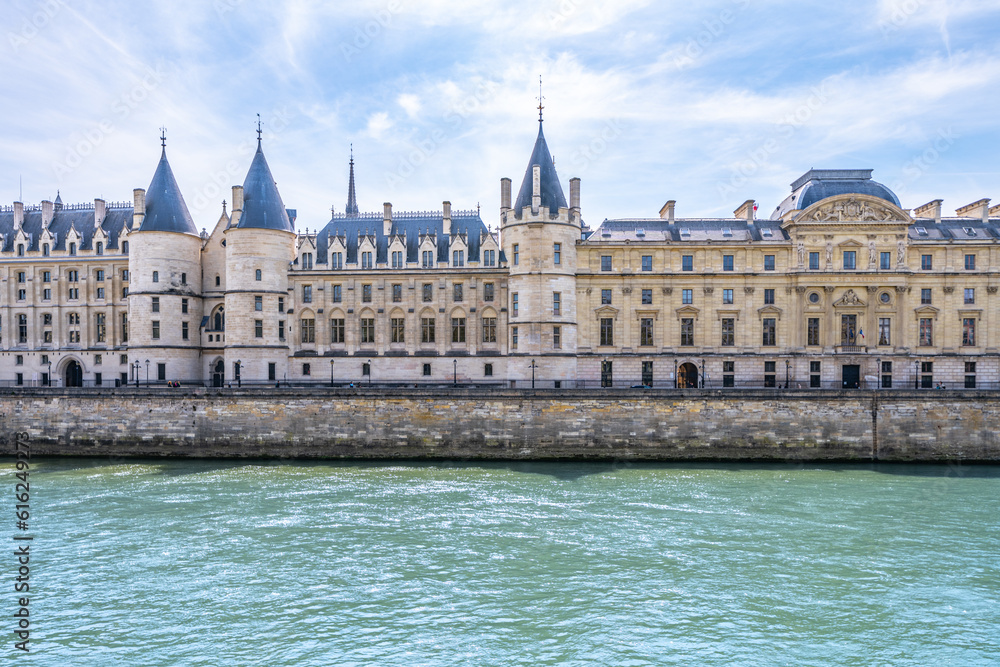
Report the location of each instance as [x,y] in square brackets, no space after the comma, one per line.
[708,103]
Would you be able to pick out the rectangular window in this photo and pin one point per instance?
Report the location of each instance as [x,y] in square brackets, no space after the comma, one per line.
[727,262]
[513,338]
[281,304]
[557,253]
[970,262]
[458,330]
[728,331]
[768,331]
[99,275]
[366,293]
[647,262]
[884,331]
[687,263]
[46,276]
[812,335]
[727,296]
[848,329]
[427,370]
[687,296]
[970,295]
[427,330]
[367,330]
[458,258]
[307,293]
[556,337]
[687,331]
[513,304]
[607,331]
[556,304]
[646,331]
[487,291]
[925,295]
[428,292]
[156,329]
[926,262]
[769,297]
[926,331]
[366,260]
[850,259]
[927,374]
[337,330]
[814,369]
[258,328]
[397,259]
[272,371]
[728,369]
[397,330]
[307,369]
[184,306]
[308,330]
[517,253]
[184,331]
[489,329]
[161,372]
[605,296]
[885,260]
[887,375]
[397,293]
[124,327]
[101,328]
[968,331]
[22,295]
[281,330]
[647,297]
[100,292]
[814,261]
[490,259]
[258,303]
[647,373]
[457,292]
[769,262]
[156,304]
[98,359]
[338,260]
[606,263]
[769,374]
[970,377]
[338,294]
[488,370]
[156,276]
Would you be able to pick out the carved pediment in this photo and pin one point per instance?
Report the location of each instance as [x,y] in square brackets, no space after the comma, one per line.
[769,311]
[606,311]
[926,311]
[655,314]
[850,298]
[687,311]
[853,208]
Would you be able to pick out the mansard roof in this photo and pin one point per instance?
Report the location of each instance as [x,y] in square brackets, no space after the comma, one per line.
[413,224]
[694,230]
[552,194]
[78,216]
[818,184]
[262,205]
[165,207]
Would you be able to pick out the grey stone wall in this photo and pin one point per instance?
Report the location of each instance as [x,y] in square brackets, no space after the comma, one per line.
[508,424]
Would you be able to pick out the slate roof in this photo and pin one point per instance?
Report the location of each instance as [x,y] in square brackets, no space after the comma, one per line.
[698,230]
[551,191]
[413,224]
[262,205]
[165,207]
[818,184]
[954,229]
[80,216]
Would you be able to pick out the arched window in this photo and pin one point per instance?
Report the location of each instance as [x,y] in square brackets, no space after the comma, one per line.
[258,274]
[217,281]
[219,320]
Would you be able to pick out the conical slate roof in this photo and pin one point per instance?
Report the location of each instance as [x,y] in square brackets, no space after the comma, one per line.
[551,191]
[262,205]
[165,207]
[352,198]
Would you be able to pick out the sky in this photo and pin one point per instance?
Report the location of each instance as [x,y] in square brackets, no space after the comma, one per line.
[708,103]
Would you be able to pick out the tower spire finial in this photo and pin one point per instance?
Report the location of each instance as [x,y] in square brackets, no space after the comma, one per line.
[258,129]
[540,98]
[352,199]
[163,137]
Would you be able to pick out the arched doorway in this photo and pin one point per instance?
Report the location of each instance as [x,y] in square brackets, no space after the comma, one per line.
[73,374]
[219,373]
[687,376]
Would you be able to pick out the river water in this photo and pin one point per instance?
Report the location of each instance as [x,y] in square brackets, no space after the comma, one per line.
[276,563]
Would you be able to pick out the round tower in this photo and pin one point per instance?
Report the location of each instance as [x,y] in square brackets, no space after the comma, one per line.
[539,235]
[260,245]
[164,300]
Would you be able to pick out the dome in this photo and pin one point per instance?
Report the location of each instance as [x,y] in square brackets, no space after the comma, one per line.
[818,184]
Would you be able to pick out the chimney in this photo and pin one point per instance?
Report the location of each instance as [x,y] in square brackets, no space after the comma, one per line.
[745,210]
[47,211]
[504,195]
[979,209]
[387,218]
[574,193]
[536,188]
[138,207]
[100,210]
[446,217]
[995,211]
[18,215]
[237,200]
[667,212]
[931,209]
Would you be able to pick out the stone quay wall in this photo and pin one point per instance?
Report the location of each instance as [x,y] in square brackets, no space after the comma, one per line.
[512,424]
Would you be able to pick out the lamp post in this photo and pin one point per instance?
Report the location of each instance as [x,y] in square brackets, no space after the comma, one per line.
[331,372]
[675,373]
[878,372]
[239,373]
[702,378]
[369,372]
[787,366]
[916,374]
[147,372]
[135,370]
[454,363]
[533,366]
[49,363]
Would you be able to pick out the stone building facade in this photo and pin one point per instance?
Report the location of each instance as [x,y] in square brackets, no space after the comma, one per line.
[839,287]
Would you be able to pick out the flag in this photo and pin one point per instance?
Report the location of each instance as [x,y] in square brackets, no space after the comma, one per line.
[861,332]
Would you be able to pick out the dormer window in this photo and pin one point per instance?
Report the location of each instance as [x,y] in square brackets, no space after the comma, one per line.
[124,247]
[72,248]
[99,249]
[921,231]
[969,230]
[640,232]
[767,232]
[45,250]
[20,250]
[727,232]
[685,232]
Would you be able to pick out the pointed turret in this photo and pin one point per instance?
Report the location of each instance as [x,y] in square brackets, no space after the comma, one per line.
[352,199]
[551,192]
[262,205]
[165,207]
[58,204]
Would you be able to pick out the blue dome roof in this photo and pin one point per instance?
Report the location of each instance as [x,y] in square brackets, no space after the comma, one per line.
[818,184]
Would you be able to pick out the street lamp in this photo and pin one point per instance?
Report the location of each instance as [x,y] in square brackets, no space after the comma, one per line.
[135,370]
[455,369]
[533,366]
[331,372]
[239,374]
[50,372]
[787,365]
[878,372]
[675,373]
[916,374]
[369,372]
[147,372]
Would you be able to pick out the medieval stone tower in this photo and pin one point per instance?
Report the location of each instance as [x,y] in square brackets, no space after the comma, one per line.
[539,234]
[164,300]
[260,245]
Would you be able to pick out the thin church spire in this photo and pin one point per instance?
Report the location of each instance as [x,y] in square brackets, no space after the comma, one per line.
[352,199]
